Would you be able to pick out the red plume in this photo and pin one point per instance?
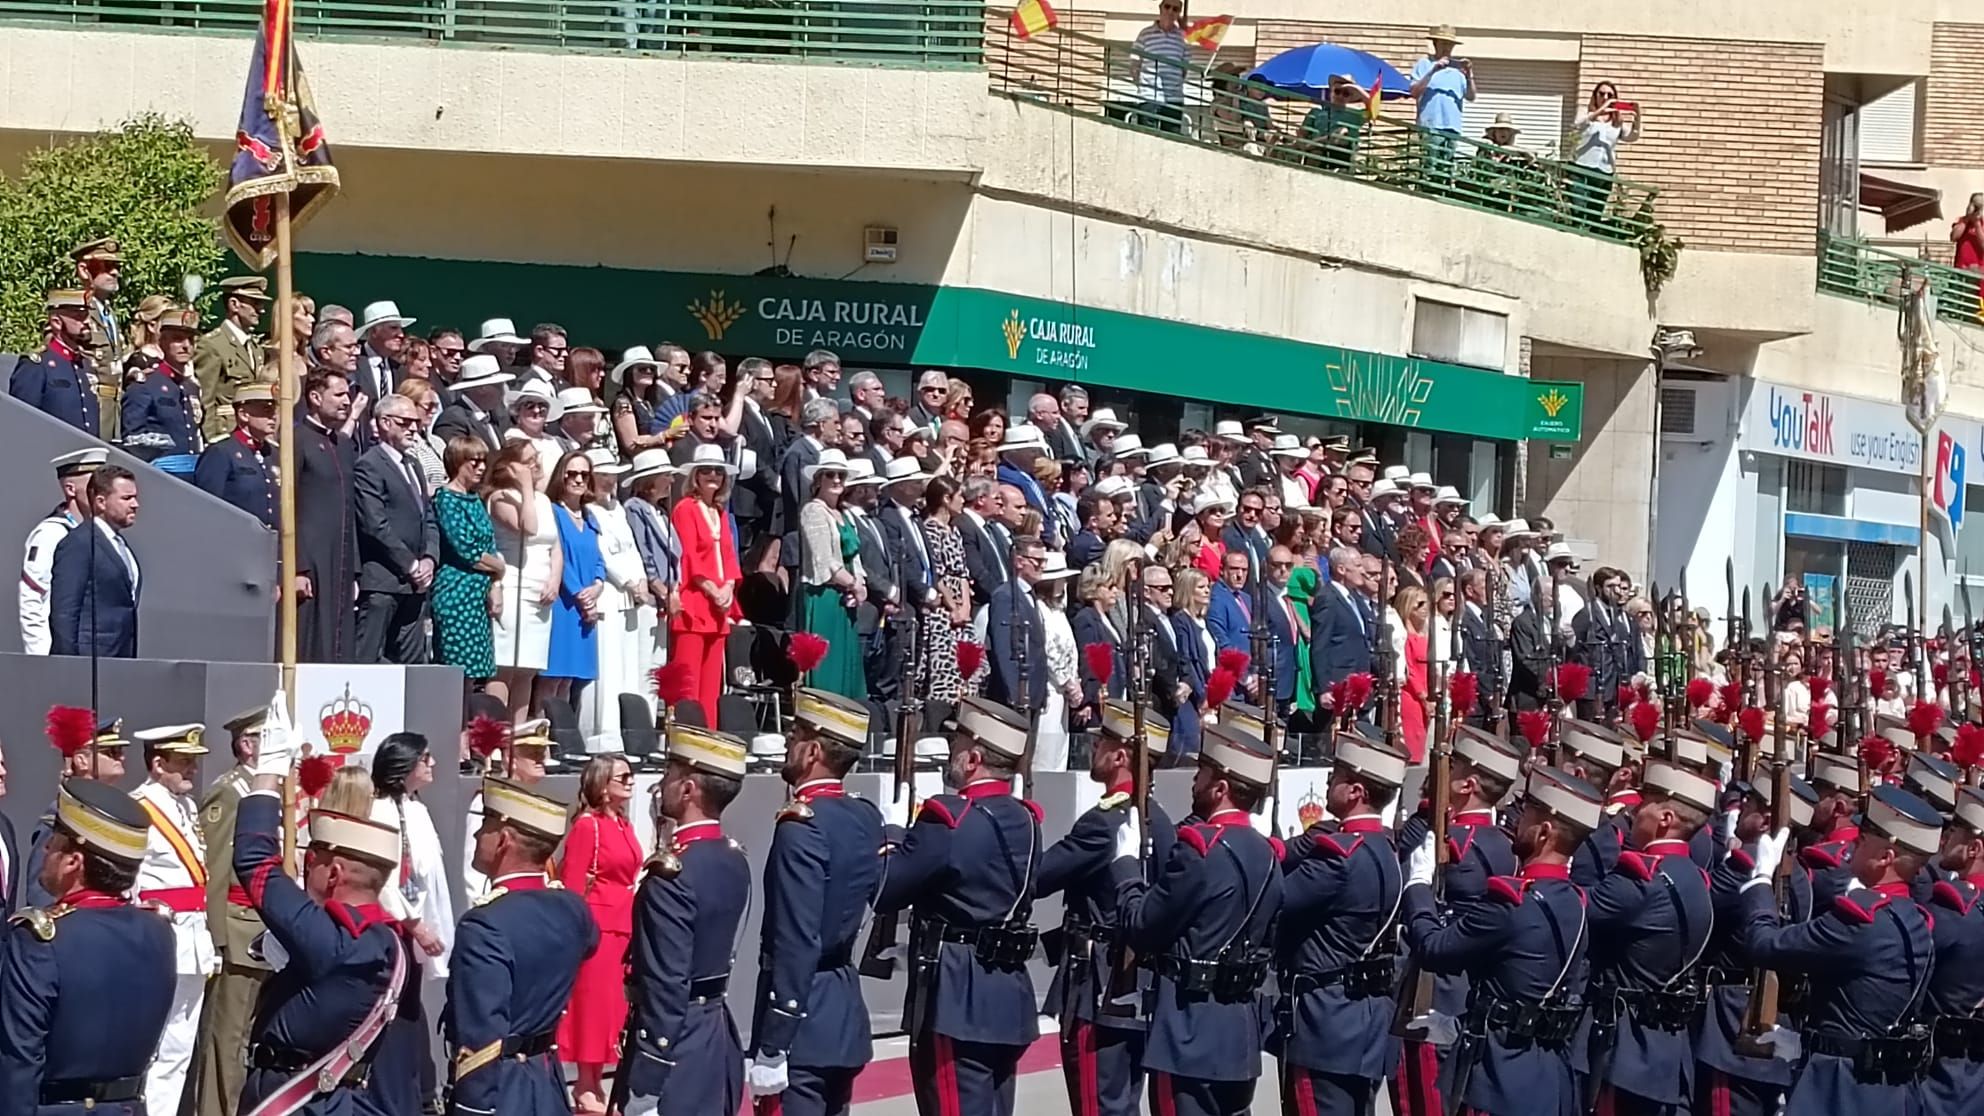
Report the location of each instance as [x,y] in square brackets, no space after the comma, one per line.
[1627,696]
[1941,673]
[1968,751]
[71,728]
[805,650]
[1877,752]
[1573,681]
[1820,688]
[1877,683]
[1219,687]
[313,775]
[1101,659]
[1535,726]
[1977,678]
[1462,689]
[971,656]
[1701,691]
[1750,720]
[486,735]
[1924,717]
[673,683]
[1357,690]
[1646,720]
[1819,721]
[1234,661]
[1340,697]
[1730,696]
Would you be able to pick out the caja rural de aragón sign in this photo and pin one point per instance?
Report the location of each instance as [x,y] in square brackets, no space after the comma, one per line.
[961,327]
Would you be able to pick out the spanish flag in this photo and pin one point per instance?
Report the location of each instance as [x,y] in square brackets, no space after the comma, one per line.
[1031,17]
[1209,32]
[279,145]
[1374,97]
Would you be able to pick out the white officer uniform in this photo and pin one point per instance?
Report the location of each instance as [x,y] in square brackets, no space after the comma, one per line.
[173,876]
[38,559]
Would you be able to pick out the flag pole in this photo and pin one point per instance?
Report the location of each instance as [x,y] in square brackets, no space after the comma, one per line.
[286,393]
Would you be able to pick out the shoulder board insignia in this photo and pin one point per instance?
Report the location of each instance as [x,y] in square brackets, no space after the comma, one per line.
[734,845]
[795,810]
[1742,859]
[1111,801]
[1850,909]
[491,896]
[1946,893]
[1195,837]
[935,808]
[1328,845]
[554,884]
[39,922]
[1820,856]
[1635,865]
[1032,807]
[1457,847]
[665,864]
[212,815]
[1280,849]
[1928,918]
[1509,889]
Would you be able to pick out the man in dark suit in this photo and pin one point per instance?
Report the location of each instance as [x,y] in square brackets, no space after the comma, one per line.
[881,651]
[1281,628]
[398,545]
[903,481]
[1605,641]
[819,424]
[1381,520]
[477,410]
[754,498]
[1012,622]
[1342,624]
[1100,522]
[1168,688]
[987,557]
[1230,616]
[1245,534]
[1479,646]
[95,584]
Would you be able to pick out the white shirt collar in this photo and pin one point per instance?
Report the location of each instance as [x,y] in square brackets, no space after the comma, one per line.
[240,335]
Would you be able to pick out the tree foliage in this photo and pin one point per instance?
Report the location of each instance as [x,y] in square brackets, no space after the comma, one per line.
[146,182]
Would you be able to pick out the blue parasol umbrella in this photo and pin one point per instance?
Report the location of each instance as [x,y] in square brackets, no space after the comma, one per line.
[1305,71]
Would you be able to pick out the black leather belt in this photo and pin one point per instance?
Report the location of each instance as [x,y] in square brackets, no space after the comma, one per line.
[1961,1037]
[704,989]
[1090,932]
[87,1092]
[1893,1058]
[1522,1023]
[530,1046]
[265,1057]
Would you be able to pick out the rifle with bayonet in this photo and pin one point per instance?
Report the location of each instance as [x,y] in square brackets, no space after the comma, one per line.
[1120,1000]
[1910,641]
[1553,693]
[1761,1016]
[1956,682]
[1445,720]
[878,960]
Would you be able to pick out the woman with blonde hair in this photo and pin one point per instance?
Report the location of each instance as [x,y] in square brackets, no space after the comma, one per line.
[1415,696]
[601,860]
[527,541]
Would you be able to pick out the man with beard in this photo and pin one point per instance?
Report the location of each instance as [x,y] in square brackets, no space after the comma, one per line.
[326,522]
[965,871]
[1607,642]
[1102,1039]
[809,1036]
[1524,950]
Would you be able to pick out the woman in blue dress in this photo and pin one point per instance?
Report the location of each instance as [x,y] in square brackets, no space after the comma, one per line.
[574,658]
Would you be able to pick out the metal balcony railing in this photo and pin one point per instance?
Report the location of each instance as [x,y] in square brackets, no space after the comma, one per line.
[1852,269]
[1080,73]
[929,33]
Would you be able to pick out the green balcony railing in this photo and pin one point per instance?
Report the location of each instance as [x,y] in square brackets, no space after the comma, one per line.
[929,33]
[1851,269]
[1080,73]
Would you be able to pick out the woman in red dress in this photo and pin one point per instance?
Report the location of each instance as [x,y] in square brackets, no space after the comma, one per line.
[1415,695]
[707,602]
[602,859]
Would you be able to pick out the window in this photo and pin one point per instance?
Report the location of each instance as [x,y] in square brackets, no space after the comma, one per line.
[1538,96]
[1888,132]
[1813,488]
[1459,334]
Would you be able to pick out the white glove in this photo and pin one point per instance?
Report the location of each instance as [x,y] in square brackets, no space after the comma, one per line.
[1130,835]
[1263,822]
[1729,820]
[641,1106]
[1019,786]
[766,1076]
[271,950]
[1724,772]
[1419,865]
[896,813]
[277,752]
[1770,854]
[1437,1027]
[1785,1045]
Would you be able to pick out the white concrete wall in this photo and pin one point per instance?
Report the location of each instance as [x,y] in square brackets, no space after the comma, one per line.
[1701,485]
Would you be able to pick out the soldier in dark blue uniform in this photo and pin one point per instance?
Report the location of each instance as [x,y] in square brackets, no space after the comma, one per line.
[1524,953]
[1869,956]
[341,963]
[1336,953]
[809,1034]
[240,468]
[687,915]
[966,872]
[1954,1084]
[1205,926]
[85,983]
[1729,1077]
[155,416]
[1484,769]
[58,382]
[1601,757]
[1102,1040]
[89,758]
[1835,830]
[516,956]
[1650,921]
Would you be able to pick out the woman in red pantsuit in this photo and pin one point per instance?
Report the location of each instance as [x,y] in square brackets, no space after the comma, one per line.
[602,859]
[707,600]
[1415,690]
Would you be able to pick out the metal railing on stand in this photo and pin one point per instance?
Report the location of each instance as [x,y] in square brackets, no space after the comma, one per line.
[1853,269]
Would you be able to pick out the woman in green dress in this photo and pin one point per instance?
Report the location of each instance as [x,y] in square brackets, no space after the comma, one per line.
[1303,582]
[464,596]
[831,581]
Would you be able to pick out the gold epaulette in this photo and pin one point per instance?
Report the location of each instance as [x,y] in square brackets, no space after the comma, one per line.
[1111,801]
[795,810]
[666,863]
[491,896]
[39,922]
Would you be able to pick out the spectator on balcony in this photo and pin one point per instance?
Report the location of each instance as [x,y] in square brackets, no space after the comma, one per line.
[1441,84]
[1504,173]
[1331,131]
[1158,67]
[1240,120]
[1968,236]
[1601,127]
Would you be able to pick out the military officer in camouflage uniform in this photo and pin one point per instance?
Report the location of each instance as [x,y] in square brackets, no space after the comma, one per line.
[98,263]
[230,356]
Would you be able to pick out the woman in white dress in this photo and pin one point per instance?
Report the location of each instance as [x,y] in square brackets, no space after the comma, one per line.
[1064,680]
[416,891]
[535,413]
[622,601]
[527,539]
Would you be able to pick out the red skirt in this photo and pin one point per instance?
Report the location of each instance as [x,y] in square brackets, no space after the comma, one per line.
[589,1032]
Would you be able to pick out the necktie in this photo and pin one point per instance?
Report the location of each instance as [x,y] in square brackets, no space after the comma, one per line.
[1246,610]
[414,480]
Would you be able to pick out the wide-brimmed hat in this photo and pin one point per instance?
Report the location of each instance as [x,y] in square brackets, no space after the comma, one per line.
[650,463]
[537,391]
[383,312]
[1229,430]
[578,401]
[830,461]
[1444,33]
[1195,457]
[605,462]
[1560,552]
[1054,567]
[1102,419]
[1206,501]
[481,370]
[902,470]
[861,471]
[1383,486]
[1422,480]
[1288,445]
[497,331]
[1163,453]
[1128,445]
[1023,436]
[633,357]
[1503,122]
[709,455]
[1448,494]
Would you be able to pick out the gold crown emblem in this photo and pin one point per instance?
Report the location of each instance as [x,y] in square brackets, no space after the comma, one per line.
[717,314]
[1553,401]
[346,721]
[1015,333]
[1309,809]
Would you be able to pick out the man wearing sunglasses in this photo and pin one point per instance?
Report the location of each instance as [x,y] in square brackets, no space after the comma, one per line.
[398,545]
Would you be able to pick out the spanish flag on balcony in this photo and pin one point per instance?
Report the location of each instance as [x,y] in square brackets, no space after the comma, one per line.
[279,145]
[1031,17]
[1209,32]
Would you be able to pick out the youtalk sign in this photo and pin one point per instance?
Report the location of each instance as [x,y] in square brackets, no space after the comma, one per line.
[1835,429]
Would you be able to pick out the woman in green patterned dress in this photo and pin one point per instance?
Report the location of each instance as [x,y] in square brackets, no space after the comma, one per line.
[831,581]
[464,596]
